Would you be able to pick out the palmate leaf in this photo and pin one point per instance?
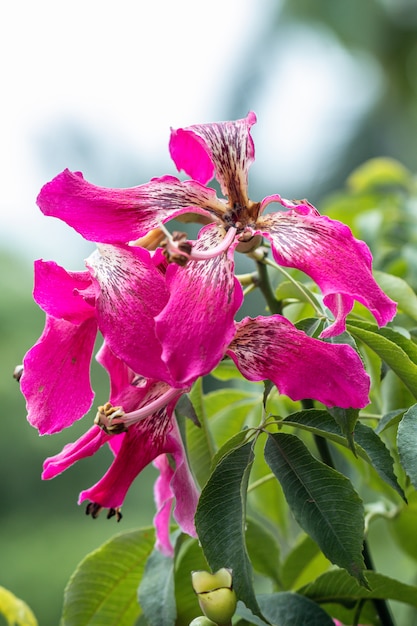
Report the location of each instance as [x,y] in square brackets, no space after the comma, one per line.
[368,445]
[15,611]
[200,446]
[221,517]
[263,549]
[322,500]
[156,592]
[304,562]
[338,586]
[287,609]
[399,352]
[103,589]
[407,443]
[346,418]
[399,291]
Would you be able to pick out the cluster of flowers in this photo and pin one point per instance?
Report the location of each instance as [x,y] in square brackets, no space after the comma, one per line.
[166,309]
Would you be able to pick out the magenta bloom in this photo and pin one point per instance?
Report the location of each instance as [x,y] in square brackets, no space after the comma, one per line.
[165,324]
[144,411]
[139,424]
[124,294]
[299,236]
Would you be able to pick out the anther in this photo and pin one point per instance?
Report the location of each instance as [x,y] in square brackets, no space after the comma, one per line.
[93,509]
[115,512]
[110,419]
[18,371]
[176,248]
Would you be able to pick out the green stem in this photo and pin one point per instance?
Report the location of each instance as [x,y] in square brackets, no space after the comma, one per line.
[264,285]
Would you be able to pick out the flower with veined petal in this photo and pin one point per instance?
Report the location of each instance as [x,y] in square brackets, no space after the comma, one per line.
[145,430]
[123,294]
[203,295]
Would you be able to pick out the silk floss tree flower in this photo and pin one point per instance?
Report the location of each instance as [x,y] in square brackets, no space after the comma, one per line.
[138,422]
[168,322]
[206,288]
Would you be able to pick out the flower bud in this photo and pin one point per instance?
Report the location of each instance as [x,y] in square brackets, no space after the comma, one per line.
[201,620]
[216,596]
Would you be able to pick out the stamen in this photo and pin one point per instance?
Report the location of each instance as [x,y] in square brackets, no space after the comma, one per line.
[18,371]
[176,247]
[136,416]
[202,255]
[151,240]
[180,251]
[110,419]
[115,512]
[93,509]
[275,198]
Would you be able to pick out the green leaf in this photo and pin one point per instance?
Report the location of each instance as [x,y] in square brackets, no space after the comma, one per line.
[220,521]
[231,444]
[392,418]
[103,588]
[185,407]
[226,370]
[399,291]
[200,447]
[289,290]
[338,586]
[399,352]
[311,326]
[230,410]
[263,549]
[303,554]
[368,446]
[379,172]
[378,455]
[15,611]
[322,500]
[346,419]
[407,443]
[156,591]
[265,496]
[288,609]
[404,526]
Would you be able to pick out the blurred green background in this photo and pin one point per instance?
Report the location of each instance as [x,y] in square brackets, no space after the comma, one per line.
[353,60]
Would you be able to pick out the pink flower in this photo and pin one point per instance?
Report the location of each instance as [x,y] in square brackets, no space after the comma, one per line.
[141,416]
[123,294]
[300,237]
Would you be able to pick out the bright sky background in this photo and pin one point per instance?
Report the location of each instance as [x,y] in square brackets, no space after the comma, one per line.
[130,70]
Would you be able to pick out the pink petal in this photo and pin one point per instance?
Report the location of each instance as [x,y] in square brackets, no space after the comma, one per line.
[225,149]
[122,215]
[197,323]
[56,375]
[120,375]
[174,484]
[327,251]
[142,443]
[163,499]
[58,292]
[130,293]
[271,348]
[183,485]
[85,446]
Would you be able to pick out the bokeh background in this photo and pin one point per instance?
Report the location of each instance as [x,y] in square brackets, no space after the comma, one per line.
[95,86]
